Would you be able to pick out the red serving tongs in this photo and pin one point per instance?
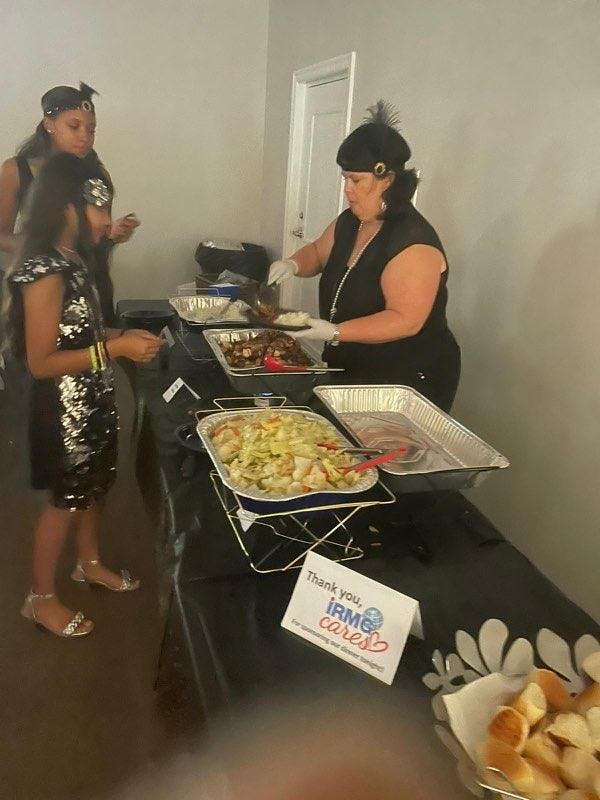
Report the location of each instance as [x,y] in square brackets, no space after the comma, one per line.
[271,364]
[375,462]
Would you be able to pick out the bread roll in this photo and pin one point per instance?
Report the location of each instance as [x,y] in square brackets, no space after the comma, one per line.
[544,723]
[531,703]
[571,730]
[510,727]
[557,696]
[593,720]
[579,770]
[515,768]
[589,698]
[577,794]
[591,665]
[545,781]
[543,750]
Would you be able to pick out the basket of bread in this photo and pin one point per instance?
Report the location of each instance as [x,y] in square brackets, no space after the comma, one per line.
[525,734]
[546,743]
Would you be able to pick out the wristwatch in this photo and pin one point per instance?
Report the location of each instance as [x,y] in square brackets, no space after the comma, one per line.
[335,339]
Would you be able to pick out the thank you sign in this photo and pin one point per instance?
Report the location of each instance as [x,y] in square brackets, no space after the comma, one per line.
[353,617]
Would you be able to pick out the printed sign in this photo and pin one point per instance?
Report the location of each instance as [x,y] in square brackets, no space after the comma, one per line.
[175,387]
[167,336]
[353,617]
[246,518]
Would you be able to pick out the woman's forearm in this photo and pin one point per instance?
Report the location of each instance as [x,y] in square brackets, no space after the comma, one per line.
[42,306]
[308,261]
[385,326]
[71,362]
[61,362]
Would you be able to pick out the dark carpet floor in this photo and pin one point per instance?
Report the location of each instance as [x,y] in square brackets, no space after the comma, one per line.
[77,717]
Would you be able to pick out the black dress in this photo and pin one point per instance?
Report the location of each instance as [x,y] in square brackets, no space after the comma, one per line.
[101,253]
[428,361]
[73,419]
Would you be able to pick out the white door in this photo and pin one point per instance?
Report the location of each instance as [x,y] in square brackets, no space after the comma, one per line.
[317,196]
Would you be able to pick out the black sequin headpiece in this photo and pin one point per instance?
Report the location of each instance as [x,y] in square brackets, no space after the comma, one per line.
[96,193]
[67,98]
[375,146]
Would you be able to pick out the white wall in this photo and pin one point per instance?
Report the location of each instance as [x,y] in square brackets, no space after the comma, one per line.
[500,102]
[180,116]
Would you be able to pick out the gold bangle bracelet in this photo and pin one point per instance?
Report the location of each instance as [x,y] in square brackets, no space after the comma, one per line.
[93,358]
[104,351]
[100,356]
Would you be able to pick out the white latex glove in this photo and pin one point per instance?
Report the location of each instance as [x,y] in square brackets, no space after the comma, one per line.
[281,271]
[320,331]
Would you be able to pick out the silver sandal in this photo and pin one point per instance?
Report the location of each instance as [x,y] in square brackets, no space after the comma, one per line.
[72,630]
[128,584]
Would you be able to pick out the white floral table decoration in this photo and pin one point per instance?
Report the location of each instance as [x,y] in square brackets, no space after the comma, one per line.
[493,652]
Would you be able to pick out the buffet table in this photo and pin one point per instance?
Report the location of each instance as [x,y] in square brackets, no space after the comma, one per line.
[223,634]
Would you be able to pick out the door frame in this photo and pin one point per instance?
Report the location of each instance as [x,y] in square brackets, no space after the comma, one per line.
[332,69]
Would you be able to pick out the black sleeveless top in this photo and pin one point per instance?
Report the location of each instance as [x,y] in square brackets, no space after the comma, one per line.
[362,295]
[25,180]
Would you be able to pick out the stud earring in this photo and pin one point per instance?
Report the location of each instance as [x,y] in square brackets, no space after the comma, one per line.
[383,206]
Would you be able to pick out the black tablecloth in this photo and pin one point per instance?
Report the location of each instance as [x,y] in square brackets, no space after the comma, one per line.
[225,620]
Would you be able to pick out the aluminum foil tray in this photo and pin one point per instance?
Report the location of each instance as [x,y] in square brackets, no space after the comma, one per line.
[216,338]
[255,380]
[209,423]
[207,310]
[441,453]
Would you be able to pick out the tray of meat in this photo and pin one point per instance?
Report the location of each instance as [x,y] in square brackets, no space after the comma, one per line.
[241,353]
[244,350]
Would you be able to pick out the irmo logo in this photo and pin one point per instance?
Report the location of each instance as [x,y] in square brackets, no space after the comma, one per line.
[367,621]
[375,617]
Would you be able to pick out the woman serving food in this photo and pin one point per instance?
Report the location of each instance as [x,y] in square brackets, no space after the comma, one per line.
[382,293]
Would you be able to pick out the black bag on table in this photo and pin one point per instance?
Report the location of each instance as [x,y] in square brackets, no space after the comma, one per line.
[214,256]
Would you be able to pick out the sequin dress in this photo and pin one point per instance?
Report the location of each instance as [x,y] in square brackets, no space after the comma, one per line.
[73,418]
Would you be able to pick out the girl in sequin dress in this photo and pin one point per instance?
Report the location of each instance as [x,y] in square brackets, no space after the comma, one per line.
[53,318]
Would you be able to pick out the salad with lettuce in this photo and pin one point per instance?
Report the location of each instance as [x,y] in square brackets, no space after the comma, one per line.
[283,453]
